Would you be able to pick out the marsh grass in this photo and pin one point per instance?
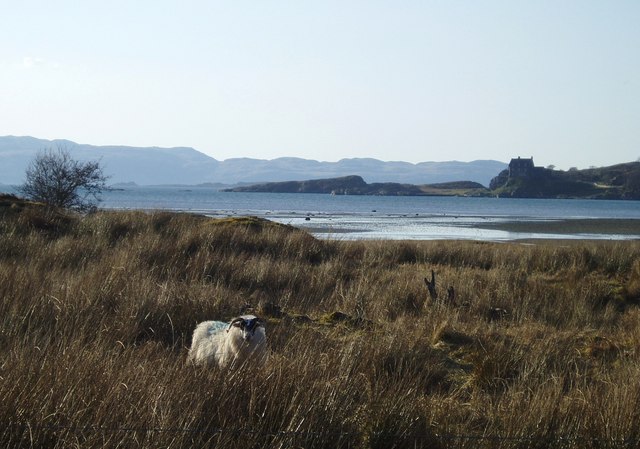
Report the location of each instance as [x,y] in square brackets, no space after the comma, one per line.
[96,313]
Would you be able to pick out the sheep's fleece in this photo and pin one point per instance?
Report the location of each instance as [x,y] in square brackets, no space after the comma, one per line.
[226,344]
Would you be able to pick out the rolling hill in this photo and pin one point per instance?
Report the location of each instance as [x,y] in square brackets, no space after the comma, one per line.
[182,165]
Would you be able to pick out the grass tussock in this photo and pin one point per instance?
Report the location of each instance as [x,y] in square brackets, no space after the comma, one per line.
[537,349]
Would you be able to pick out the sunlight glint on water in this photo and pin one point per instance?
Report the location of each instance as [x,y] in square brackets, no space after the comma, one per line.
[376,217]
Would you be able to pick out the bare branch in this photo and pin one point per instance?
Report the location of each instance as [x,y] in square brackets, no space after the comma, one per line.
[55,178]
[431,285]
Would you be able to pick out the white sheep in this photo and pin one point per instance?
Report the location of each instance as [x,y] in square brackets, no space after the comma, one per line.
[229,344]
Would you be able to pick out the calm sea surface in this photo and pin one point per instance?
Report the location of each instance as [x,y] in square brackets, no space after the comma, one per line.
[378,217]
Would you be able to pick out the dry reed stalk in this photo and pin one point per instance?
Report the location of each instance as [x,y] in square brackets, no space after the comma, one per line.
[96,313]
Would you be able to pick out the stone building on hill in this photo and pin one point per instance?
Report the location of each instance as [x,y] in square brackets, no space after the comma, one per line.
[521,168]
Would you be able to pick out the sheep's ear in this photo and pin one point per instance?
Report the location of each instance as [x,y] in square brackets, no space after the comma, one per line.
[234,322]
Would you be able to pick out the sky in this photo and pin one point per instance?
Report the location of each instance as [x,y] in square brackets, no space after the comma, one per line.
[406,80]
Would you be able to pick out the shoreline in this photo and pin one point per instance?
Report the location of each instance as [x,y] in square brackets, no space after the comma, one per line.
[592,226]
[530,229]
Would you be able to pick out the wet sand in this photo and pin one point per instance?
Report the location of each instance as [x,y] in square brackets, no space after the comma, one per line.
[604,226]
[479,229]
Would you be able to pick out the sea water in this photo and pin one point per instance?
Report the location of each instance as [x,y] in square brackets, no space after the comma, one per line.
[376,217]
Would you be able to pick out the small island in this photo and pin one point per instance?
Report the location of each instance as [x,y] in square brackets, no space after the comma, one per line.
[356,185]
[521,180]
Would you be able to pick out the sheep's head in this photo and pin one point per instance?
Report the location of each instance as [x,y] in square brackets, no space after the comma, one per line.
[247,325]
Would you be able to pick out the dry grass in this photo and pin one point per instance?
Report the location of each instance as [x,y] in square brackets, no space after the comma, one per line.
[96,314]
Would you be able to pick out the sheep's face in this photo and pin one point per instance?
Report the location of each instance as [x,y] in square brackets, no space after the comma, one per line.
[247,326]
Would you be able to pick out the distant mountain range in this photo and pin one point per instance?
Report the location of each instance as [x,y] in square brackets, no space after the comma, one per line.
[182,165]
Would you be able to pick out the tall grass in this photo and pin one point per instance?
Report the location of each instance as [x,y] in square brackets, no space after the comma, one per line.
[96,314]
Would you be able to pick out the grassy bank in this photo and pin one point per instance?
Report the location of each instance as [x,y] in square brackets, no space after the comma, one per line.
[96,315]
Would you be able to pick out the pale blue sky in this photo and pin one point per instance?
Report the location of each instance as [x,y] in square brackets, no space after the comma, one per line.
[394,80]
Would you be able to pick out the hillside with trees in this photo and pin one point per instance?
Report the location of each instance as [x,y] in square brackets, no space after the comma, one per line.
[621,181]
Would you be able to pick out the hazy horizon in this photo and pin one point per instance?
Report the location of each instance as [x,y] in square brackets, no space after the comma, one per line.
[413,82]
